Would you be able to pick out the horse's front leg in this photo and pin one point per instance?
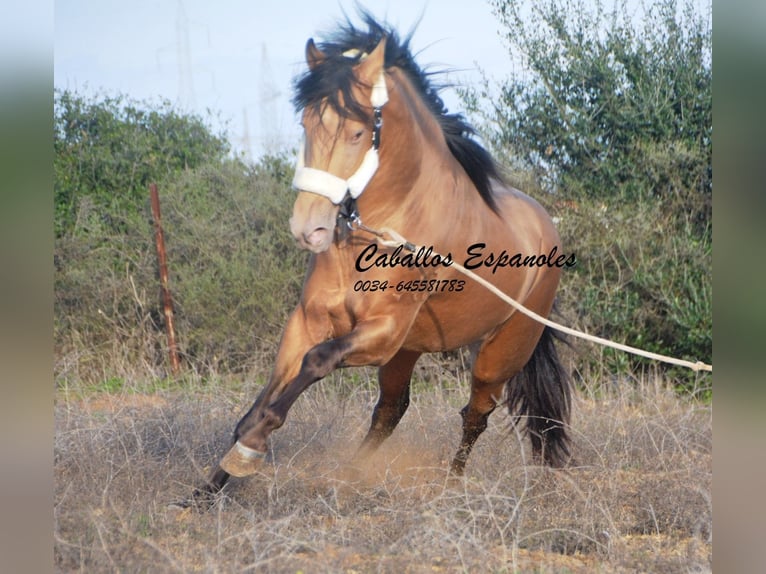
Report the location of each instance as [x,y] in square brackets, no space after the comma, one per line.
[373,341]
[297,339]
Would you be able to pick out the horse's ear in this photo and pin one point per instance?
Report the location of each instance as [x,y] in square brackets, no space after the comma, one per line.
[314,55]
[371,67]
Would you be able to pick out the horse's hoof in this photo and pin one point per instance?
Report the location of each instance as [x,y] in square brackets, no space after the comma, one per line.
[242,460]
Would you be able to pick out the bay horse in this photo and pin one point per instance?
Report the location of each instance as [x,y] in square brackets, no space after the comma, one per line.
[381,151]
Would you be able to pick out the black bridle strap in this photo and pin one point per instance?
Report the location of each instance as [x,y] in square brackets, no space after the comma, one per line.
[348,214]
[377,124]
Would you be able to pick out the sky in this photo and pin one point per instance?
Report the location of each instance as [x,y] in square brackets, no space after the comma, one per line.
[237,58]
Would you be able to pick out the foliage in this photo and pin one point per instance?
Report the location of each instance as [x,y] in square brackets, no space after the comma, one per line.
[641,279]
[614,120]
[234,276]
[107,150]
[611,107]
[234,270]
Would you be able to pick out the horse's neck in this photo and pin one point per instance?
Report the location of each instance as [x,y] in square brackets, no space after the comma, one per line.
[425,178]
[420,126]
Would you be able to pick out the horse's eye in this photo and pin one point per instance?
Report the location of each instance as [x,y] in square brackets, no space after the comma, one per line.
[357,136]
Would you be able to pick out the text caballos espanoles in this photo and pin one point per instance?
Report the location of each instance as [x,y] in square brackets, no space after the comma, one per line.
[476,257]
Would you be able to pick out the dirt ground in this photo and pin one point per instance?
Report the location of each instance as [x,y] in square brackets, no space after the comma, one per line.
[638,497]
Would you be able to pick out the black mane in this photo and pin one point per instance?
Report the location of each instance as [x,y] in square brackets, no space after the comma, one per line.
[334,76]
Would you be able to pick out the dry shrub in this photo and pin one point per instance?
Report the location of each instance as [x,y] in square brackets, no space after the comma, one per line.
[234,271]
[637,498]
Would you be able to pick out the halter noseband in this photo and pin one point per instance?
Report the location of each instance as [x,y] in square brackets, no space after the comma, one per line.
[341,191]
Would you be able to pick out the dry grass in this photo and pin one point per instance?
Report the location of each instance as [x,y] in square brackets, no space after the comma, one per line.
[637,500]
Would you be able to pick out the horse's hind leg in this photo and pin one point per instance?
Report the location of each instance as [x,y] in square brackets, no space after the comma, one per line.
[491,370]
[394,381]
[484,397]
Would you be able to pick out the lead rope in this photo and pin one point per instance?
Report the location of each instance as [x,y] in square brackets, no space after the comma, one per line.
[397,240]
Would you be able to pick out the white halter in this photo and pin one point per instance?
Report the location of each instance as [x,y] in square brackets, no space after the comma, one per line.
[331,186]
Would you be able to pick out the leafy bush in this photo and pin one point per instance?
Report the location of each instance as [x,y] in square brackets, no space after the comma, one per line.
[610,107]
[234,275]
[640,279]
[236,267]
[108,150]
[614,121]
[234,270]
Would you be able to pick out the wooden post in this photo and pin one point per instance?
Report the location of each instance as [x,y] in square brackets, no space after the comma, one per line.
[167,301]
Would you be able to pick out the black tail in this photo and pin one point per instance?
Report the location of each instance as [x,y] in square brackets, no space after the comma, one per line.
[541,395]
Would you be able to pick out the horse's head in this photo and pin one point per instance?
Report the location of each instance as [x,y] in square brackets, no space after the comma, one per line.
[338,97]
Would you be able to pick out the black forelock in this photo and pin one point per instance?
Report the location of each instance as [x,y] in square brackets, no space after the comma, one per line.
[331,83]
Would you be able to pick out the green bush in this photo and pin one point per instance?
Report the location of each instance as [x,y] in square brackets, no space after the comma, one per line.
[613,120]
[234,270]
[107,150]
[610,107]
[234,275]
[641,279]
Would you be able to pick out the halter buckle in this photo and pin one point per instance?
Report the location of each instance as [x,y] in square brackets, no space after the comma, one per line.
[349,213]
[376,125]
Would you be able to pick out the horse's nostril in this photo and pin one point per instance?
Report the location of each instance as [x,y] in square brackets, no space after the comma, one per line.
[316,237]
